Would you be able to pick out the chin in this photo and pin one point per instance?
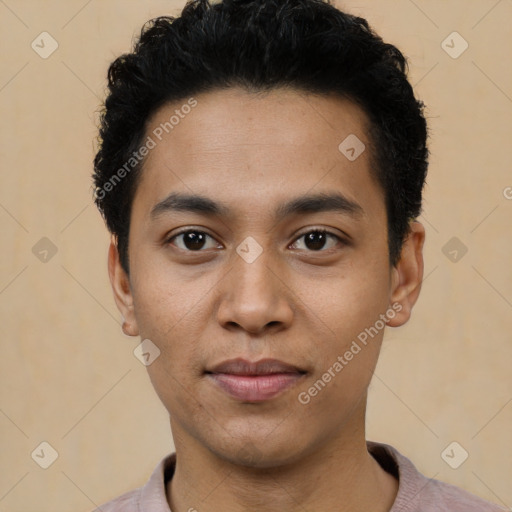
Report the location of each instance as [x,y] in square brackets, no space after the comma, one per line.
[260,454]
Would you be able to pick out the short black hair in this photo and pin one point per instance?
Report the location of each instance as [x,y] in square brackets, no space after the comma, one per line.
[260,45]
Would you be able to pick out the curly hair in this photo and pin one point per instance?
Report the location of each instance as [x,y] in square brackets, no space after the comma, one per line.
[260,45]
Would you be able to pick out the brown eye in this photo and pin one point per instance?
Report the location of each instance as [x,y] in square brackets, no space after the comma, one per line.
[191,240]
[317,239]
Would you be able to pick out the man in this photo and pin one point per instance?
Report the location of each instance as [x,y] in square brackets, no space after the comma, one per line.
[261,169]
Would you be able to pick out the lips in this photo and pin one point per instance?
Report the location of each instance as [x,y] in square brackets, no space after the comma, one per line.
[241,366]
[254,381]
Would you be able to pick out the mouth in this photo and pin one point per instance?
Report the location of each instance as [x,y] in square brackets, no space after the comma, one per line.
[255,381]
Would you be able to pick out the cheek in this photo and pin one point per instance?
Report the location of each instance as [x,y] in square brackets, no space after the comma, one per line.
[174,321]
[348,306]
[163,299]
[348,301]
[171,315]
[345,357]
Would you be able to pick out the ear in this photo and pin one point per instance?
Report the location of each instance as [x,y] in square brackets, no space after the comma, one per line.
[122,292]
[407,275]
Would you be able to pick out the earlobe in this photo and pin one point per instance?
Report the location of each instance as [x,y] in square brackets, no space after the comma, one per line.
[122,291]
[407,275]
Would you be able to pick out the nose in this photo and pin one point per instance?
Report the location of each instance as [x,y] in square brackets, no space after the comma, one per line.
[254,297]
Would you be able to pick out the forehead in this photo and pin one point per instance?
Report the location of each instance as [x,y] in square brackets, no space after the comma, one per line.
[251,149]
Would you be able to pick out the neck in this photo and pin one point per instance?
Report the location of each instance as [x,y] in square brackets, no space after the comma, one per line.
[338,475]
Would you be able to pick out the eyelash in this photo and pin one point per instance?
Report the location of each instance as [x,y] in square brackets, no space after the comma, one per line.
[316,230]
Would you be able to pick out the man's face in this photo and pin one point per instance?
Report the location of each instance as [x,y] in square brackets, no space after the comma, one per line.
[250,283]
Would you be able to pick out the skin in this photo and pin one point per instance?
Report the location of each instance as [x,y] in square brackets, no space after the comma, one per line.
[300,303]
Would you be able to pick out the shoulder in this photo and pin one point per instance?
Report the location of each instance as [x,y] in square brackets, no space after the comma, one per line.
[127,502]
[451,498]
[417,493]
[150,497]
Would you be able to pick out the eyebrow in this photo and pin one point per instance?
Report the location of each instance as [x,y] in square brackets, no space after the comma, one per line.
[306,204]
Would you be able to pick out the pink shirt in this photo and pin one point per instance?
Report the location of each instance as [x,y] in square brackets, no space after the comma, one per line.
[416,493]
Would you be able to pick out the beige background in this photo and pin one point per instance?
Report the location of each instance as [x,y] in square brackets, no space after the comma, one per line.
[69,376]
